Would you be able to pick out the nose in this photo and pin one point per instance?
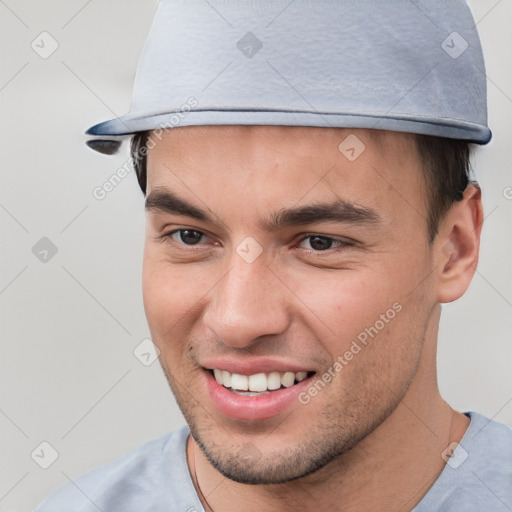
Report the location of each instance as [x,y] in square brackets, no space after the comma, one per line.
[248,303]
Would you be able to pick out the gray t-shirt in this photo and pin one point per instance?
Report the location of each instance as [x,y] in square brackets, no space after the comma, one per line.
[155,478]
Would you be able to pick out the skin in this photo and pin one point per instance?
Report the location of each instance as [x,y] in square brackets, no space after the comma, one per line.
[372,438]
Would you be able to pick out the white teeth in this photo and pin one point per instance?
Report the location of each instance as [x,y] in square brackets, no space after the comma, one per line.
[218,375]
[287,379]
[248,393]
[259,382]
[241,382]
[226,379]
[300,376]
[274,381]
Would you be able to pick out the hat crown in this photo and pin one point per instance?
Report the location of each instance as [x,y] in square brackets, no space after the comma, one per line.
[397,65]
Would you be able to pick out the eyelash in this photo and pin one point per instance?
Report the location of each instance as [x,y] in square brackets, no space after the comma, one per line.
[341,244]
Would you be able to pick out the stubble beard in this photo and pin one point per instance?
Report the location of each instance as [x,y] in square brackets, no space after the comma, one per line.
[332,436]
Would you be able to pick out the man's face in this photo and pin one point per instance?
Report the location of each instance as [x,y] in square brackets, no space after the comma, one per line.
[290,257]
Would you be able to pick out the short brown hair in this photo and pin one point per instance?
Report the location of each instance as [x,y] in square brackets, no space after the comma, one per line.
[446,165]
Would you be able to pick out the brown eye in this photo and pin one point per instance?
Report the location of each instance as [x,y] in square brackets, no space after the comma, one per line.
[320,243]
[187,236]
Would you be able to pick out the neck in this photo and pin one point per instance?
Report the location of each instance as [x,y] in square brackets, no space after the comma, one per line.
[391,468]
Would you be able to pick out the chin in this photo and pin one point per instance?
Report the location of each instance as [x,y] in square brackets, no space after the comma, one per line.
[246,462]
[249,466]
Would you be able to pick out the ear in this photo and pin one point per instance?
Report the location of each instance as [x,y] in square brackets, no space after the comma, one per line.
[458,244]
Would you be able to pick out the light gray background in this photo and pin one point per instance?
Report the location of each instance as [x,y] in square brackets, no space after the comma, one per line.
[69,326]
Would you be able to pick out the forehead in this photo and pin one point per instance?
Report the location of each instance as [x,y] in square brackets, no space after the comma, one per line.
[189,142]
[276,165]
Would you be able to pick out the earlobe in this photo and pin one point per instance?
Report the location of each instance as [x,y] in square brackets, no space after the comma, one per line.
[458,245]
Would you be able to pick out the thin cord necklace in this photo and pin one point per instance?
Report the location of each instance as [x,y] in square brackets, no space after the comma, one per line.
[202,497]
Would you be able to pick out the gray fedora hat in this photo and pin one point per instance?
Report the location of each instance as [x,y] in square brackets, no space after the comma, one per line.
[400,65]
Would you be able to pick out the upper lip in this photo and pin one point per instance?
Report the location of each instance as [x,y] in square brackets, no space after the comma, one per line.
[253,365]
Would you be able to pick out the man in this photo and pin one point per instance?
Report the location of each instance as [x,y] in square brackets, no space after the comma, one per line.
[308,212]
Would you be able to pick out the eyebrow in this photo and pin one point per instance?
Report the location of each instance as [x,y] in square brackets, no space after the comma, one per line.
[341,211]
[337,211]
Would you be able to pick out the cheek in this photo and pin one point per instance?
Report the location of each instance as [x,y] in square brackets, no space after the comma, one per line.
[171,298]
[350,303]
[371,307]
[373,335]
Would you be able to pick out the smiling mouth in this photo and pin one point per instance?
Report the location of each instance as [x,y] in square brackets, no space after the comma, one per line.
[259,383]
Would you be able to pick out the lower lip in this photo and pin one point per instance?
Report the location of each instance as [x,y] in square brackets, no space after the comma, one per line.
[251,408]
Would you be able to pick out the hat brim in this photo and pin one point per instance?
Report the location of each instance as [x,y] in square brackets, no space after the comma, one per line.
[447,128]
